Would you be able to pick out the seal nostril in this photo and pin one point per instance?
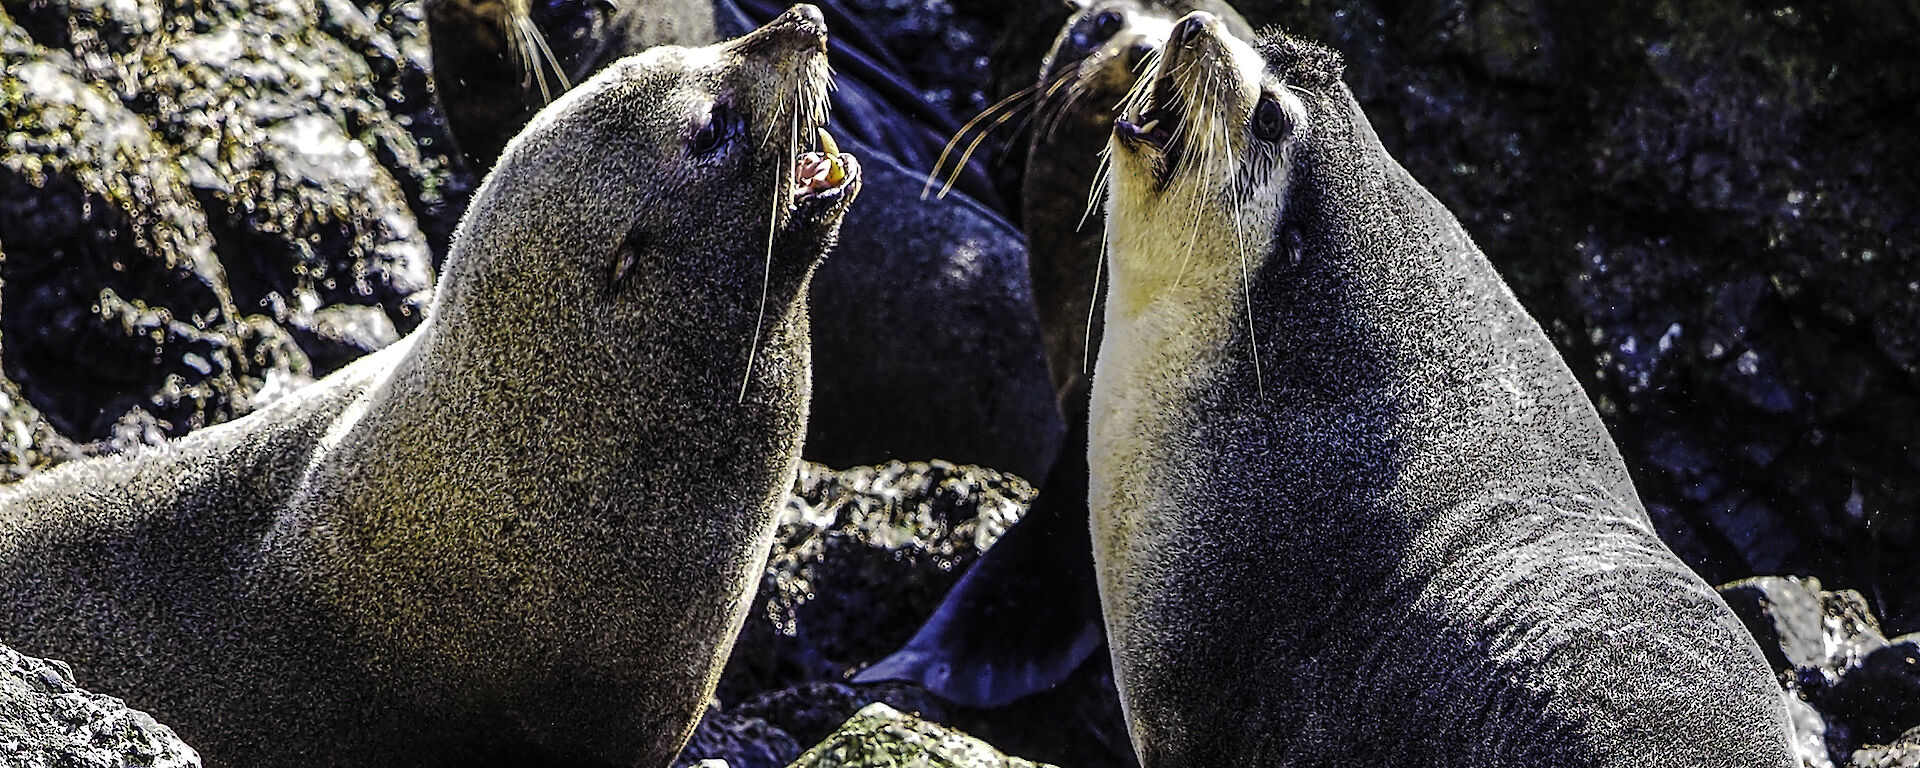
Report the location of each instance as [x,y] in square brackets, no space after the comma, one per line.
[1191,27]
[811,15]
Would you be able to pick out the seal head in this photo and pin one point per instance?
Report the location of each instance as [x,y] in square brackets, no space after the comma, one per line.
[1349,504]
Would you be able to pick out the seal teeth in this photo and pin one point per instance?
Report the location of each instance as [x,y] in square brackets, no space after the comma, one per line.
[827,144]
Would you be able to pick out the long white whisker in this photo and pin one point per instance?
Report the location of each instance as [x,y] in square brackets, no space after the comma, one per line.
[1093,302]
[552,60]
[766,269]
[1246,287]
[1101,172]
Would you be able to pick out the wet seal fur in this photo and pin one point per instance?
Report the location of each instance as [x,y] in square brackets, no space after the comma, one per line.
[1028,614]
[1350,506]
[527,533]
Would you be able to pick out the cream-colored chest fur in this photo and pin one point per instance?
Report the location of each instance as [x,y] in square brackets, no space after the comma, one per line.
[1175,292]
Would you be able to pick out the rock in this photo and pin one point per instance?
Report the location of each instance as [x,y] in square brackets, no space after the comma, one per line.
[1848,685]
[880,736]
[859,558]
[1809,732]
[1902,753]
[736,741]
[1801,627]
[46,721]
[205,201]
[811,711]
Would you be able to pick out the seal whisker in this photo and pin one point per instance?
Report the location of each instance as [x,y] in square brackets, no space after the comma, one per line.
[1013,102]
[546,52]
[960,166]
[515,28]
[1102,172]
[1106,242]
[1043,107]
[1246,288]
[1074,92]
[1139,96]
[780,193]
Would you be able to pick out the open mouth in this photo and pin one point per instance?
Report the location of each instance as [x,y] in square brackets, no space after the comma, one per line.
[1154,121]
[823,174]
[821,179]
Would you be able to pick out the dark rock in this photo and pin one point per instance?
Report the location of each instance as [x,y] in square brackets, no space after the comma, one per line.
[1880,697]
[196,194]
[744,742]
[1902,753]
[859,558]
[1835,664]
[46,721]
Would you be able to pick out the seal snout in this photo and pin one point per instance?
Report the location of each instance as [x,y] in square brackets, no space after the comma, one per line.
[1188,30]
[1157,113]
[802,27]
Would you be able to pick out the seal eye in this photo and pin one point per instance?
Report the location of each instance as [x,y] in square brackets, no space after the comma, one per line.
[1269,122]
[708,136]
[1103,27]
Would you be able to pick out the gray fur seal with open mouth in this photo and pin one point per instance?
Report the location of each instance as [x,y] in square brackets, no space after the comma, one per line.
[526,534]
[1350,506]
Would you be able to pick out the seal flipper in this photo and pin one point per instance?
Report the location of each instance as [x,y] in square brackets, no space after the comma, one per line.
[1027,614]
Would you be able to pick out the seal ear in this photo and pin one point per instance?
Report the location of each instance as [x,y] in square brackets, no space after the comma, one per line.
[625,256]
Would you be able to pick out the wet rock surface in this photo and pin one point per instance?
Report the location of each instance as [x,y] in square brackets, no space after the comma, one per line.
[46,721]
[207,203]
[1860,690]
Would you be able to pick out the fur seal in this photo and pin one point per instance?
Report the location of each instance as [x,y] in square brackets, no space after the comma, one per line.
[925,342]
[1028,614]
[527,533]
[1350,506]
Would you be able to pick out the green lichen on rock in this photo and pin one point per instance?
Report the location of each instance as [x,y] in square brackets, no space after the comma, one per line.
[880,736]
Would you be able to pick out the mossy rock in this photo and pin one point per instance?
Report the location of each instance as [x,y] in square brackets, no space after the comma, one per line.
[879,736]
